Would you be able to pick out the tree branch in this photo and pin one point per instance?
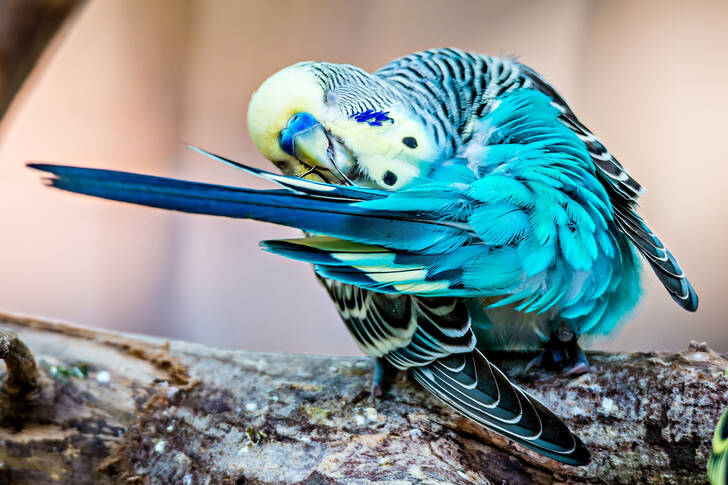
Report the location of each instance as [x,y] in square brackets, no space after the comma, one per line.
[26,27]
[22,379]
[134,409]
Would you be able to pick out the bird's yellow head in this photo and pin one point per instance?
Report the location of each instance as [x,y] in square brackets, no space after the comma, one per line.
[339,124]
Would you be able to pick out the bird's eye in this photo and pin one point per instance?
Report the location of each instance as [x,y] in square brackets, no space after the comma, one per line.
[390,178]
[330,97]
[409,142]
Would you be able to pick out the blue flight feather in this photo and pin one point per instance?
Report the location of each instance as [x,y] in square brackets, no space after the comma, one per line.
[322,215]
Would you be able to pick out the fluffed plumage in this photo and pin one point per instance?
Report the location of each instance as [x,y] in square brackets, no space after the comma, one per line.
[452,204]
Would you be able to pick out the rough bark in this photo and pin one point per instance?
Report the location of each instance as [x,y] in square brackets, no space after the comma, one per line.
[111,408]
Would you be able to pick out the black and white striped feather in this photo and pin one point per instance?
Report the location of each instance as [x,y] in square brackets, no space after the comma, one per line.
[432,339]
[623,191]
[463,87]
[480,391]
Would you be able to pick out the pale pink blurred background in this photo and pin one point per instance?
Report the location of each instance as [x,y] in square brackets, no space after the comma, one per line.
[127,81]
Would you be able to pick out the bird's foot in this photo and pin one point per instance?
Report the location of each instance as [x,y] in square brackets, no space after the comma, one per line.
[384,373]
[566,354]
[581,367]
[578,358]
[562,353]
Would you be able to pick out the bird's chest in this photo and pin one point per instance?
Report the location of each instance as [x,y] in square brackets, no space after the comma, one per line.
[507,329]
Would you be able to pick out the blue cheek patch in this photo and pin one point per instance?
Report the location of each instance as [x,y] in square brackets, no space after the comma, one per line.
[373,118]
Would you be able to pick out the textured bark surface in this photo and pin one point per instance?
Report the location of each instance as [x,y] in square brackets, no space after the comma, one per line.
[132,409]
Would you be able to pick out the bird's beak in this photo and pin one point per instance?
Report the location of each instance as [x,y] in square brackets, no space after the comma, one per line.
[305,138]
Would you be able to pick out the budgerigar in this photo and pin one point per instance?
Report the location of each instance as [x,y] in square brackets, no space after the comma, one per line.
[452,205]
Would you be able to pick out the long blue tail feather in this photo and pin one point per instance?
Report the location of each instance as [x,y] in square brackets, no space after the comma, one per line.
[325,215]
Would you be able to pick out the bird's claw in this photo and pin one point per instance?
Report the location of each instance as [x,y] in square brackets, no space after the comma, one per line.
[562,353]
[375,390]
[577,369]
[383,373]
[581,363]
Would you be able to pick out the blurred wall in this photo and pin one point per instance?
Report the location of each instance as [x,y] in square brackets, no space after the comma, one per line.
[127,81]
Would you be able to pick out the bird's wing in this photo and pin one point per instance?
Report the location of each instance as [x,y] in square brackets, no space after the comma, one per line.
[623,193]
[482,239]
[471,270]
[479,390]
[625,187]
[426,232]
[408,330]
[311,206]
[379,239]
[432,338]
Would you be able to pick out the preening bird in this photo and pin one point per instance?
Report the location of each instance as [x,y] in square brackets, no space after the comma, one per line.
[452,205]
